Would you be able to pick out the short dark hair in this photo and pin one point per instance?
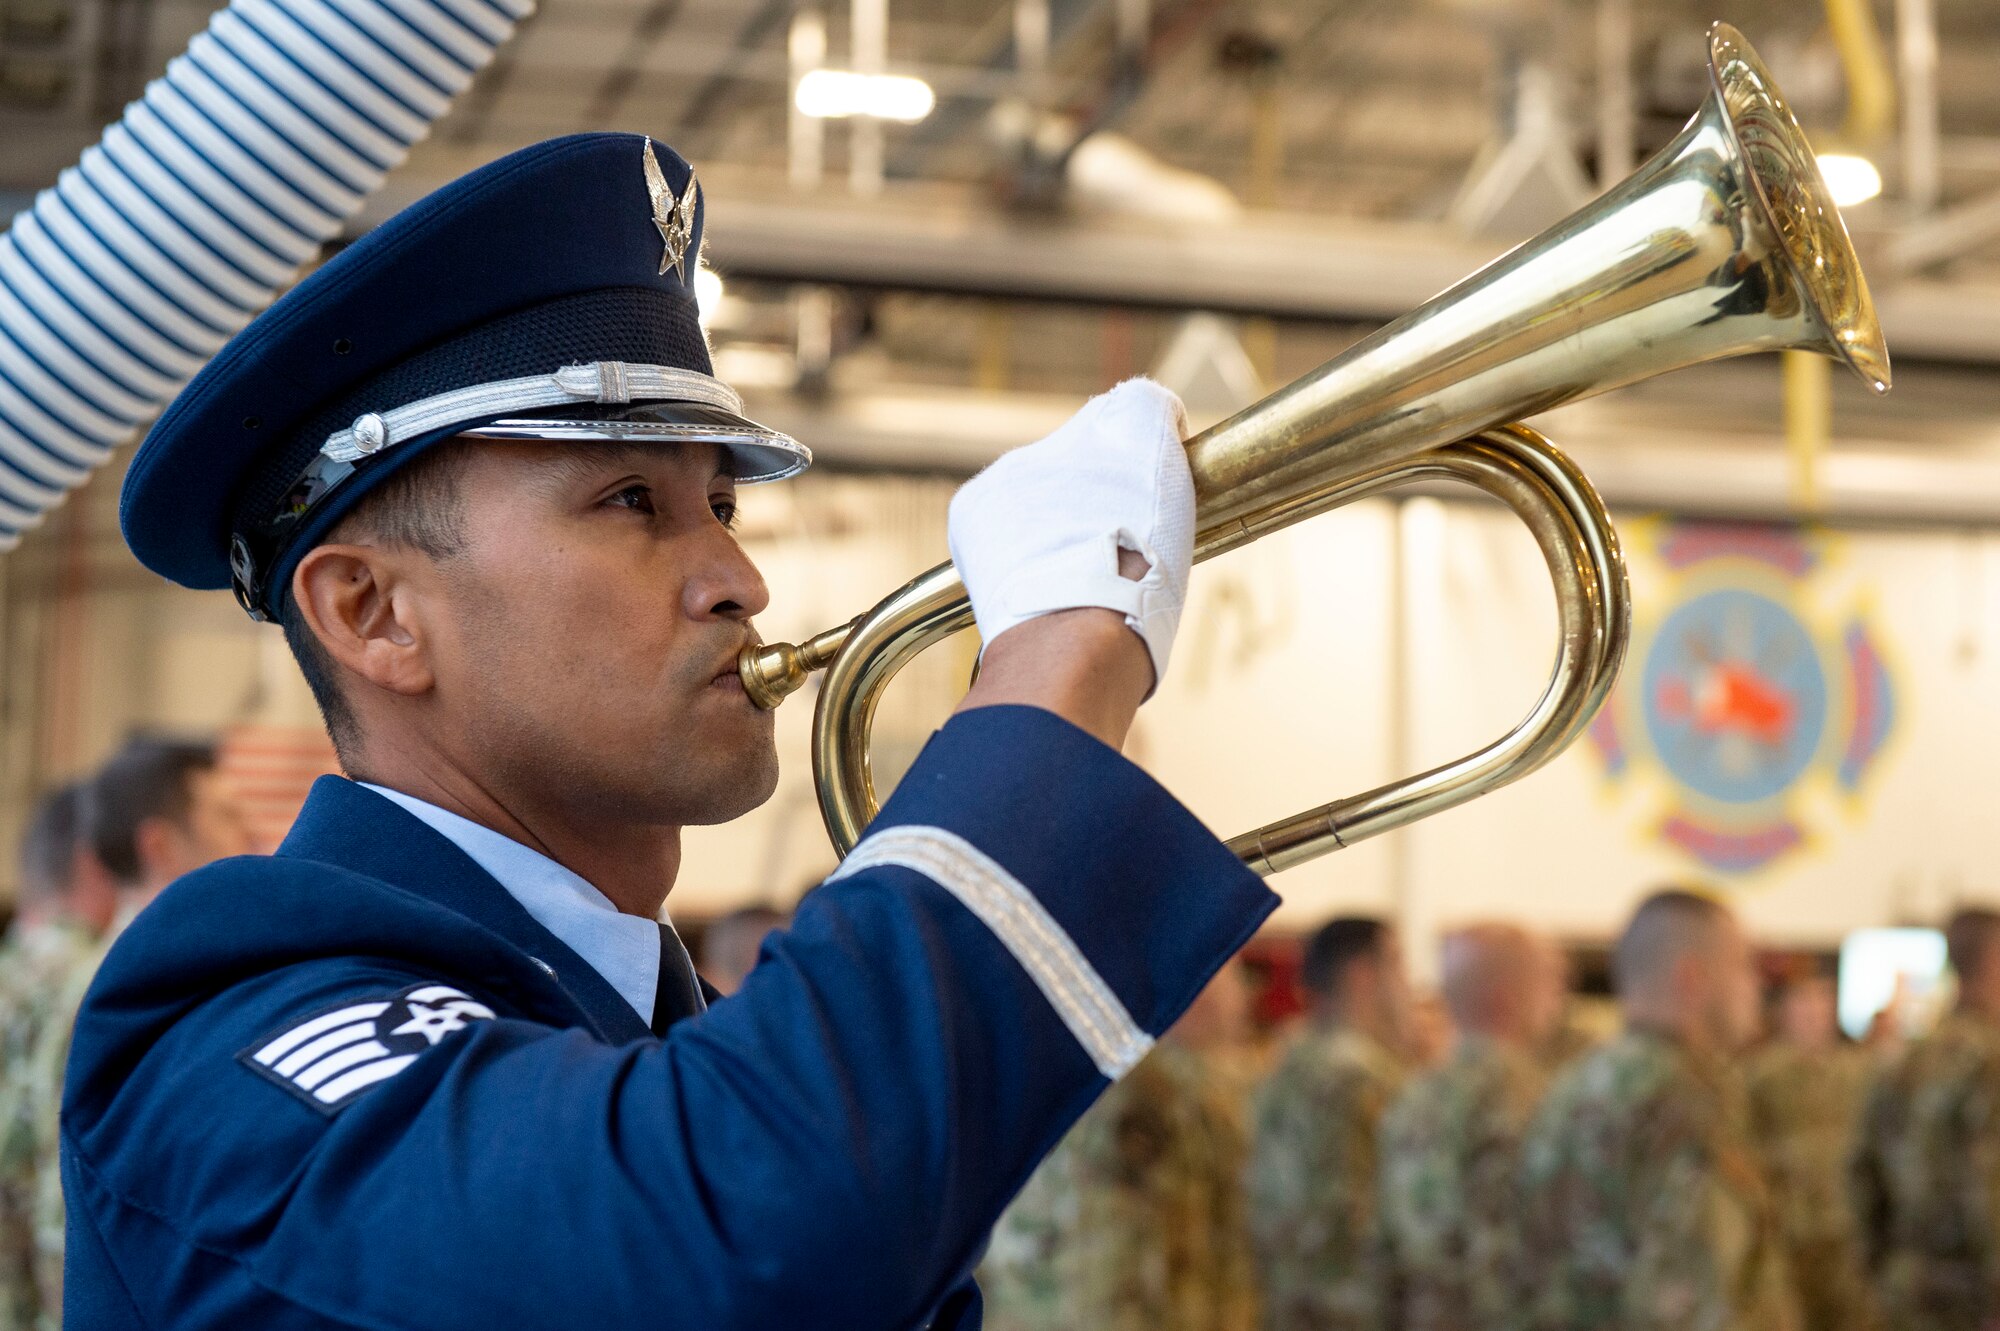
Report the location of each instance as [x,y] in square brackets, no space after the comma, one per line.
[147,778]
[1664,927]
[48,845]
[419,507]
[1969,937]
[1336,947]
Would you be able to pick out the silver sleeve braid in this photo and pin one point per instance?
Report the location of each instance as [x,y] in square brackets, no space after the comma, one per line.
[200,204]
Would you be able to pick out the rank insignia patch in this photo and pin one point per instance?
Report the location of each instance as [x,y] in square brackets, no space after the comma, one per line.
[331,1057]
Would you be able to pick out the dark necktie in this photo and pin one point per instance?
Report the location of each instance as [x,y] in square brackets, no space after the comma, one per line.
[679,993]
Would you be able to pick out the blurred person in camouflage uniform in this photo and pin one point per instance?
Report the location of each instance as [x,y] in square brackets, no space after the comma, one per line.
[1135,1222]
[1221,1029]
[1644,1205]
[1312,1179]
[1432,1034]
[1449,1218]
[66,900]
[1805,1090]
[1926,1167]
[156,810]
[1565,1037]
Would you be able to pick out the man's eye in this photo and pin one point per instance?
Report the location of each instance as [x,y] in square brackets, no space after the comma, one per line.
[638,498]
[725,512]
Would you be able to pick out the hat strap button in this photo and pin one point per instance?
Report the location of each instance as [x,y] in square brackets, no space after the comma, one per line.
[370,432]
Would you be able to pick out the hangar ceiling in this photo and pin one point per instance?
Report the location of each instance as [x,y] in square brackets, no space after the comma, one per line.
[1306,161]
[1377,108]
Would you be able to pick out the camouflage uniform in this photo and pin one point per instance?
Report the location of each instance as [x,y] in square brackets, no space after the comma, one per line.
[1450,1205]
[1926,1179]
[43,1110]
[37,963]
[1568,1041]
[1643,1204]
[1804,1105]
[1135,1221]
[1312,1183]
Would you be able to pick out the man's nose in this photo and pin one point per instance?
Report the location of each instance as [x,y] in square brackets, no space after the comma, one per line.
[730,586]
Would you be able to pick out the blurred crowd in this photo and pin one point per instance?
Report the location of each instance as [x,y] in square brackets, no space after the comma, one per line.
[1717,1158]
[93,854]
[1475,1159]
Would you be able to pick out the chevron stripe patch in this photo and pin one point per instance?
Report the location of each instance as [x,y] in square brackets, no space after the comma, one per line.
[333,1056]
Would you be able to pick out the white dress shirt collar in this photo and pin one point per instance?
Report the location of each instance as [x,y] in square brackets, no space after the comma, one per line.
[624,949]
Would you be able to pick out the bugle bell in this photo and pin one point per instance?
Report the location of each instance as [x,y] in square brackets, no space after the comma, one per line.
[1725,243]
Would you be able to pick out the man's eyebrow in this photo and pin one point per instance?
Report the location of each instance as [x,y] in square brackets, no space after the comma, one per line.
[583,461]
[558,469]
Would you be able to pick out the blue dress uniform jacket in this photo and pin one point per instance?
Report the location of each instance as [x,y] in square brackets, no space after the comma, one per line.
[828,1148]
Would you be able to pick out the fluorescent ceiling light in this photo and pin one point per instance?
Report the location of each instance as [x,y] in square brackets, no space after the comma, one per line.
[835,94]
[1850,179]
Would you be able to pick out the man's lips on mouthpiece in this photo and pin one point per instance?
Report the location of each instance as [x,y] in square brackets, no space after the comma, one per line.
[728,676]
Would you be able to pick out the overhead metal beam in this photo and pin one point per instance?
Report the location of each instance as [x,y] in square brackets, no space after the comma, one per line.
[1950,234]
[1279,265]
[623,75]
[1947,321]
[761,26]
[1276,266]
[959,112]
[1634,462]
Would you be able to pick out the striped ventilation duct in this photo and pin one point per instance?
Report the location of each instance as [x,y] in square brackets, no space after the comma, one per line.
[199,205]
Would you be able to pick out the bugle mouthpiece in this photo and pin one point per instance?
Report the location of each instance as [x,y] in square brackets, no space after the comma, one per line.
[774,671]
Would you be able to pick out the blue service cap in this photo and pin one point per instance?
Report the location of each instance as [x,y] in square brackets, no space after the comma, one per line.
[549,295]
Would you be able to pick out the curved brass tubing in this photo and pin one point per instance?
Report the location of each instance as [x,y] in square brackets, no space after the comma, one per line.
[1513,464]
[1725,243]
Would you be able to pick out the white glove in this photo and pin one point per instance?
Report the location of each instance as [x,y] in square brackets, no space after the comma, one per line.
[1040,530]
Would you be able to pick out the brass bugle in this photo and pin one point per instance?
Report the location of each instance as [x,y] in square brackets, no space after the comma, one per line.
[1724,243]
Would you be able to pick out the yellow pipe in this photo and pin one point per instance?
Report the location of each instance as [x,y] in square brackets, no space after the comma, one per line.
[1267,142]
[1871,88]
[1808,423]
[1260,343]
[993,350]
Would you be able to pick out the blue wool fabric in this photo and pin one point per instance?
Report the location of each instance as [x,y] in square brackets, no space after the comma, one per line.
[828,1147]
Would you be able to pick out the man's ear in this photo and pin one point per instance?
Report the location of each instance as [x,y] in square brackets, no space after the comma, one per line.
[355,600]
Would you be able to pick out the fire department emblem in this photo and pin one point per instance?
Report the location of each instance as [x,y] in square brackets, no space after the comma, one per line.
[1739,702]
